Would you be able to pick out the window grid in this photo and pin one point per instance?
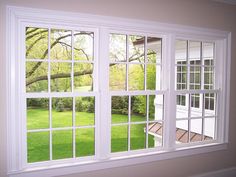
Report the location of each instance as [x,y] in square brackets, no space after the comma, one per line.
[53,95]
[127,64]
[197,102]
[131,93]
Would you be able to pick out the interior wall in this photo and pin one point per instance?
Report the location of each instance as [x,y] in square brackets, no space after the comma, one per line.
[200,13]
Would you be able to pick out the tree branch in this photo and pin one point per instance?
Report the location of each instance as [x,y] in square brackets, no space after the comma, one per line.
[57,76]
[32,45]
[31,31]
[52,45]
[34,34]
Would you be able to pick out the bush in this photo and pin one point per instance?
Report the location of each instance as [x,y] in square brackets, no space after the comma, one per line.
[37,102]
[60,106]
[85,104]
[120,105]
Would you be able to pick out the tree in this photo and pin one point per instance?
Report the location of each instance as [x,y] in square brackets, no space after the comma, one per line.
[37,42]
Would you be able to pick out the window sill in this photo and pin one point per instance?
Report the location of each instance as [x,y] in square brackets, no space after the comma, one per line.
[75,167]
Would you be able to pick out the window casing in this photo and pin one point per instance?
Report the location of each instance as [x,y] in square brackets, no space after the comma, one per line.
[197,95]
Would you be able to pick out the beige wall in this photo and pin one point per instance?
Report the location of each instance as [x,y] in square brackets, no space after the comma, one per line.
[201,13]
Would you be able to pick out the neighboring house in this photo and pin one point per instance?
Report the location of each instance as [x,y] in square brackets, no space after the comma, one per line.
[194,52]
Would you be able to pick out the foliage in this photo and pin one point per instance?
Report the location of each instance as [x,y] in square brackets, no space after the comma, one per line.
[120,105]
[60,72]
[138,105]
[60,106]
[85,104]
[37,102]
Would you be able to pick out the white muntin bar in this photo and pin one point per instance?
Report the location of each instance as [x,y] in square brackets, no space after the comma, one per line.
[127,63]
[147,119]
[60,94]
[140,92]
[196,91]
[73,125]
[203,114]
[145,63]
[50,127]
[73,99]
[129,120]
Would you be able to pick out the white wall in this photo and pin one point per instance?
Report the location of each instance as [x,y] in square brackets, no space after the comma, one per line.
[201,13]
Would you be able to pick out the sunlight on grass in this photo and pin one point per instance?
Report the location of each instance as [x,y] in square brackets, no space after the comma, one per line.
[119,138]
[85,142]
[62,146]
[37,119]
[38,146]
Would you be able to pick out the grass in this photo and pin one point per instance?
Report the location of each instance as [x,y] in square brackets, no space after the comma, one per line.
[62,140]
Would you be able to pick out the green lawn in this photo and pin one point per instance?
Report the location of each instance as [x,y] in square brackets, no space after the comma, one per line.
[62,145]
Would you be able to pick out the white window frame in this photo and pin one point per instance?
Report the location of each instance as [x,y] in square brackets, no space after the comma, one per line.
[16,16]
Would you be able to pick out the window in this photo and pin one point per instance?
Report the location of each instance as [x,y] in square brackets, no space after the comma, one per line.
[136,105]
[196,115]
[86,93]
[59,93]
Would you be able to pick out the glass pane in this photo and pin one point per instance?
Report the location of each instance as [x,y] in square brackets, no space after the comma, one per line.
[137,136]
[156,107]
[155,134]
[209,78]
[194,52]
[119,109]
[117,79]
[119,138]
[154,46]
[60,44]
[180,51]
[62,112]
[210,104]
[136,77]
[181,76]
[195,77]
[152,108]
[196,108]
[182,106]
[85,108]
[182,131]
[138,108]
[62,144]
[153,77]
[83,77]
[117,50]
[208,53]
[85,142]
[36,77]
[181,100]
[38,146]
[36,42]
[83,45]
[209,128]
[136,48]
[196,130]
[60,77]
[37,113]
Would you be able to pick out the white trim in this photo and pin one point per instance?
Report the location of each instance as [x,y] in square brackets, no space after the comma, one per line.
[16,16]
[70,168]
[55,17]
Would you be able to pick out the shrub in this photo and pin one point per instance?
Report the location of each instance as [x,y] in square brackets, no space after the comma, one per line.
[60,106]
